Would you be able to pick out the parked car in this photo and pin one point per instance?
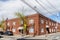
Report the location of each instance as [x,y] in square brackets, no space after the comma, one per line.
[1,32]
[9,33]
[1,36]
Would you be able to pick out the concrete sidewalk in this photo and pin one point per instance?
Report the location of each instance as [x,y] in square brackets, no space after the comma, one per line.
[55,36]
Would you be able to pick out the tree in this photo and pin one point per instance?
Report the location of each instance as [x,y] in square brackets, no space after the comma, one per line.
[23,18]
[2,24]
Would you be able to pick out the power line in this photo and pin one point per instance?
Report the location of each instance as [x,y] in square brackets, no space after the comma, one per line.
[46,5]
[30,6]
[52,5]
[44,8]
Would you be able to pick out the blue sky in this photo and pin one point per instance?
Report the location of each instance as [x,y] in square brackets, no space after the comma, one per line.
[9,7]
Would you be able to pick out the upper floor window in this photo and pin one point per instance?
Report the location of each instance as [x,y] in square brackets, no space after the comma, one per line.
[56,24]
[46,22]
[31,21]
[8,24]
[42,21]
[42,29]
[14,23]
[47,26]
[21,22]
[49,23]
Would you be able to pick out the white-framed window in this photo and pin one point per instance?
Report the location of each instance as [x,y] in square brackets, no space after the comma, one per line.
[31,21]
[31,29]
[46,22]
[49,23]
[8,24]
[50,29]
[55,27]
[42,21]
[14,23]
[13,30]
[42,30]
[54,30]
[21,22]
[52,23]
[47,26]
[56,24]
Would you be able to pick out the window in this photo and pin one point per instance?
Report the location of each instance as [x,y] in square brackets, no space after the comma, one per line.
[21,21]
[42,21]
[42,30]
[49,23]
[52,23]
[56,24]
[47,26]
[54,30]
[13,30]
[31,30]
[14,23]
[31,21]
[46,22]
[50,30]
[8,24]
[56,27]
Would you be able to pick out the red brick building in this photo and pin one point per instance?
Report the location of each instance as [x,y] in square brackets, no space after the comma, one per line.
[37,25]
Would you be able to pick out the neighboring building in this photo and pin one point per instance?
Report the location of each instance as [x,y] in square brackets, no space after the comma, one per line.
[37,25]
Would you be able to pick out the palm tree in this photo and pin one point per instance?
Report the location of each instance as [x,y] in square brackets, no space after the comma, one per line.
[23,18]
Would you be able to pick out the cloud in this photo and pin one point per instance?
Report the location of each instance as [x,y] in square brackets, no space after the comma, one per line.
[9,7]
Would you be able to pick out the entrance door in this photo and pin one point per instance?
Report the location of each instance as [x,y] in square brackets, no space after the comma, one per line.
[20,29]
[47,28]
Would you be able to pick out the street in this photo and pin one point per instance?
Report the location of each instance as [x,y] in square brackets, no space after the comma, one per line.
[53,36]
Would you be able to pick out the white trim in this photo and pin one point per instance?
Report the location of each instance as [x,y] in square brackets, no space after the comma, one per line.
[20,28]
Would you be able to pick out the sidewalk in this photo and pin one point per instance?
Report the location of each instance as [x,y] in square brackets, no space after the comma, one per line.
[47,36]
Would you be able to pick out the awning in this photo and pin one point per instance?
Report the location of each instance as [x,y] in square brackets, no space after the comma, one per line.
[47,26]
[20,28]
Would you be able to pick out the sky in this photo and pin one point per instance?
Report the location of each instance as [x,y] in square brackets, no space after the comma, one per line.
[8,8]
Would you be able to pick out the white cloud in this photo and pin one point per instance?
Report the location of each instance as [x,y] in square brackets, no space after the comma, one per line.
[8,8]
